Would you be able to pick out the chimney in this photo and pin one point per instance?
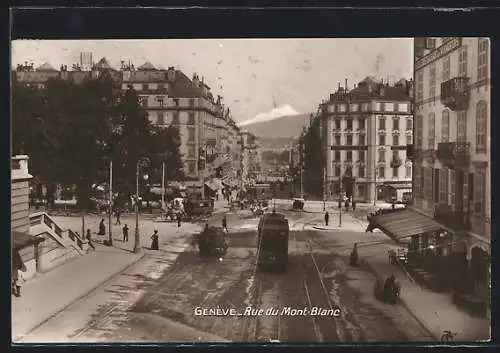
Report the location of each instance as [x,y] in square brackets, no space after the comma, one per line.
[345,85]
[196,80]
[171,74]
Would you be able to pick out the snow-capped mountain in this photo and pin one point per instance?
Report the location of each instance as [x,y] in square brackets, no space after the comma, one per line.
[285,110]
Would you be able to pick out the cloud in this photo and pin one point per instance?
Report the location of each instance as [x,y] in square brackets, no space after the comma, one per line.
[275,113]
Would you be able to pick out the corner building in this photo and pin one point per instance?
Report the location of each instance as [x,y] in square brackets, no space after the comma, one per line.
[365,131]
[452,148]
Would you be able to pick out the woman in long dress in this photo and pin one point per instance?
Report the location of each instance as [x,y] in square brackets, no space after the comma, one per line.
[154,241]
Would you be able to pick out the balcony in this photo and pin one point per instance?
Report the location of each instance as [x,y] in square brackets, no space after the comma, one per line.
[454,154]
[396,162]
[455,93]
[459,221]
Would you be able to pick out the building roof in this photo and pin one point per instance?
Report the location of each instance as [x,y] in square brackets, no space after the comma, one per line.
[369,89]
[183,87]
[146,66]
[46,67]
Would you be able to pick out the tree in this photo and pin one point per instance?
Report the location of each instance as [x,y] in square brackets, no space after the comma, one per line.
[314,160]
[166,148]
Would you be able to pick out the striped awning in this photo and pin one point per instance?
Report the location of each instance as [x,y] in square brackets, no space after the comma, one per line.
[405,223]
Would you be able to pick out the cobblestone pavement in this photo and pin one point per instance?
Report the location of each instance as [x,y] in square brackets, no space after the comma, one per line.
[161,293]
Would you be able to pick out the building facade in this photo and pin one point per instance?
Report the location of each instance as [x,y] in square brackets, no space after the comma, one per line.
[365,131]
[451,180]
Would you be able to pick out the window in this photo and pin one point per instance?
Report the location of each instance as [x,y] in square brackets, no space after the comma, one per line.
[176,102]
[395,140]
[361,172]
[482,59]
[445,126]
[382,106]
[362,124]
[462,61]
[349,124]
[481,120]
[160,101]
[431,132]
[348,171]
[395,155]
[337,171]
[408,171]
[337,124]
[348,156]
[435,185]
[361,156]
[428,183]
[145,87]
[191,119]
[417,184]
[175,119]
[191,151]
[408,140]
[337,156]
[191,167]
[349,140]
[395,172]
[409,124]
[420,132]
[395,123]
[381,172]
[160,87]
[419,90]
[381,124]
[191,102]
[337,140]
[160,118]
[446,68]
[462,126]
[443,187]
[432,81]
[381,156]
[396,107]
[191,134]
[362,139]
[381,140]
[480,193]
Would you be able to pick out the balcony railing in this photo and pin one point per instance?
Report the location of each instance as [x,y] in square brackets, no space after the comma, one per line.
[396,162]
[453,154]
[455,93]
[458,221]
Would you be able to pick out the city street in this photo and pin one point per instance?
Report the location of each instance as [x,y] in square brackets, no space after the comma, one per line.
[157,298]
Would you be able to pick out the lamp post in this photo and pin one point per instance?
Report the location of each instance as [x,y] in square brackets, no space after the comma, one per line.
[110,209]
[375,172]
[143,162]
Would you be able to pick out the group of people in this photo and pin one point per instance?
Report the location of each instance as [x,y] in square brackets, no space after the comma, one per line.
[348,201]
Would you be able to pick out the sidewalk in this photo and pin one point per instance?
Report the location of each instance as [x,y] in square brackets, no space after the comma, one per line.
[47,294]
[435,311]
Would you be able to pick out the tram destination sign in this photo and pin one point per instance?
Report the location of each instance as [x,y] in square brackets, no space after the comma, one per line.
[439,52]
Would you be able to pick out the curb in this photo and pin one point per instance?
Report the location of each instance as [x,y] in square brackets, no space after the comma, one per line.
[403,303]
[88,292]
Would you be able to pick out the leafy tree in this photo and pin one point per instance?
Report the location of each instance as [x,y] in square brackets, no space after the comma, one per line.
[314,160]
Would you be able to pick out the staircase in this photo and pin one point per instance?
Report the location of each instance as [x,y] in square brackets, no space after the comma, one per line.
[41,224]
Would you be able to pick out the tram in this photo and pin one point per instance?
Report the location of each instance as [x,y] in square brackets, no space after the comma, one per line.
[272,241]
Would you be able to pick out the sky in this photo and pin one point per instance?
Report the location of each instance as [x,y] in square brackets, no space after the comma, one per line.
[252,75]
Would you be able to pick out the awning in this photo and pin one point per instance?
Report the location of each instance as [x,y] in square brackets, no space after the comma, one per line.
[405,223]
[398,186]
[21,240]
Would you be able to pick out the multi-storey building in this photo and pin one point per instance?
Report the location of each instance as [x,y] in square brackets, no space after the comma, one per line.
[169,97]
[452,146]
[250,159]
[365,131]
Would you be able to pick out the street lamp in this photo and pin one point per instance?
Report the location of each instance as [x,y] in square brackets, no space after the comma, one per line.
[141,163]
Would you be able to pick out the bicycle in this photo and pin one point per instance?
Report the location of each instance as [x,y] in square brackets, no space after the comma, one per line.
[448,336]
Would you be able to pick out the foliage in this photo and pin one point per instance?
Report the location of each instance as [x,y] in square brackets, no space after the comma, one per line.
[313,161]
[71,132]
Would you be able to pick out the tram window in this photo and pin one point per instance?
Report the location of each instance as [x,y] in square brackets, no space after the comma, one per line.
[272,240]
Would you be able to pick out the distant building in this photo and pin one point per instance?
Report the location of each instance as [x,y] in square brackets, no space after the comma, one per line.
[365,131]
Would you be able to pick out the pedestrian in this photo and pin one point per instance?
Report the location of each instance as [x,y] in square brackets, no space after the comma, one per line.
[17,265]
[89,239]
[340,203]
[353,205]
[117,215]
[354,259]
[347,205]
[224,223]
[125,233]
[178,219]
[102,228]
[154,241]
[327,218]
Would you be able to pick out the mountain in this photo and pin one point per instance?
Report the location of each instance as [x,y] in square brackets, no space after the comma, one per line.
[271,115]
[289,126]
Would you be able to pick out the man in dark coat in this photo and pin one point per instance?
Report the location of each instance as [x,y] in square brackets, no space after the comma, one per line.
[125,233]
[389,287]
[224,223]
[327,218]
[102,228]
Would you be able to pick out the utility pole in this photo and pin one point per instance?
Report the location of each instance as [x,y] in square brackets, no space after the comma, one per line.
[340,201]
[324,188]
[375,185]
[110,211]
[136,238]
